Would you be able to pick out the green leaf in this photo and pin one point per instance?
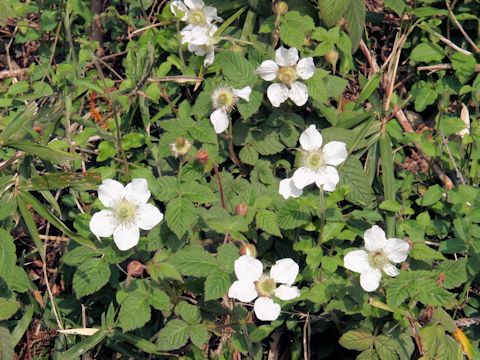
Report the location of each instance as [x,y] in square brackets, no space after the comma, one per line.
[167,188]
[180,215]
[424,252]
[451,125]
[249,108]
[248,155]
[355,17]
[432,337]
[8,257]
[291,215]
[43,152]
[174,335]
[18,280]
[193,260]
[399,289]
[431,196]
[358,339]
[454,271]
[79,255]
[423,95]
[91,276]
[8,308]
[353,175]
[396,5]
[294,28]
[464,66]
[236,69]
[226,255]
[83,346]
[386,347]
[427,52]
[20,119]
[267,221]
[134,311]
[188,312]
[6,344]
[332,10]
[159,299]
[216,285]
[368,355]
[199,335]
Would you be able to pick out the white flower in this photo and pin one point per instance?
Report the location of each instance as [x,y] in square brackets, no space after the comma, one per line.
[200,41]
[288,189]
[194,12]
[127,212]
[253,283]
[318,163]
[286,70]
[224,98]
[465,116]
[379,255]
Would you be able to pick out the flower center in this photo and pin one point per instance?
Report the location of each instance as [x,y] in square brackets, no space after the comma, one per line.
[377,259]
[287,74]
[197,17]
[223,98]
[266,286]
[314,159]
[125,211]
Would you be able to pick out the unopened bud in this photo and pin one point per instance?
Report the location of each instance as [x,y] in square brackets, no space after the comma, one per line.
[135,268]
[180,147]
[249,250]
[202,156]
[280,8]
[332,57]
[465,116]
[241,209]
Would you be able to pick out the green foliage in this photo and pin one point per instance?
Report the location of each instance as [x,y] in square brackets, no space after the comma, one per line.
[93,94]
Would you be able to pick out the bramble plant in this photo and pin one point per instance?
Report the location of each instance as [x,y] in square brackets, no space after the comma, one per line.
[234,179]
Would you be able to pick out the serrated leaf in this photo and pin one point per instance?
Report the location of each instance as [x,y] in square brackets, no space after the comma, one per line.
[332,10]
[159,299]
[180,215]
[8,308]
[424,252]
[196,192]
[226,255]
[368,355]
[193,260]
[385,347]
[79,255]
[396,5]
[291,215]
[355,17]
[267,221]
[134,311]
[250,108]
[173,336]
[6,344]
[454,273]
[166,188]
[188,312]
[199,335]
[90,277]
[294,28]
[353,175]
[432,337]
[18,280]
[266,143]
[248,155]
[238,70]
[358,339]
[216,285]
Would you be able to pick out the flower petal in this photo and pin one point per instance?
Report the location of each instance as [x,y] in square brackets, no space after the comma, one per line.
[390,270]
[243,93]
[267,70]
[110,192]
[298,93]
[194,4]
[102,223]
[126,236]
[328,178]
[303,176]
[137,191]
[209,55]
[247,268]
[219,119]
[396,250]
[305,68]
[335,152]
[285,292]
[357,261]
[288,189]
[211,14]
[177,7]
[286,57]
[266,310]
[375,238]
[311,139]
[284,271]
[370,279]
[277,94]
[244,291]
[148,216]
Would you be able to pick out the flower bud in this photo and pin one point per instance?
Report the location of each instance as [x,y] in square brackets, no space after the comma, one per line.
[241,209]
[280,8]
[202,156]
[332,57]
[135,268]
[249,249]
[180,147]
